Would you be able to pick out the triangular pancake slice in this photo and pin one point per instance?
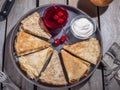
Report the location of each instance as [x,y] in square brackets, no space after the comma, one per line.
[32,64]
[88,50]
[75,68]
[26,43]
[34,25]
[53,73]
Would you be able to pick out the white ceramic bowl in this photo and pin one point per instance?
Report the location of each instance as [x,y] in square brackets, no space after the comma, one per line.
[81,36]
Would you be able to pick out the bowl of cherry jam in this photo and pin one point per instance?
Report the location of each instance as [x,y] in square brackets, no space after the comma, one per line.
[55,17]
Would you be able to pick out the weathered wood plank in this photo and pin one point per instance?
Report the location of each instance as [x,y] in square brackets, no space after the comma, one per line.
[43,2]
[110,28]
[110,21]
[2,37]
[95,83]
[20,7]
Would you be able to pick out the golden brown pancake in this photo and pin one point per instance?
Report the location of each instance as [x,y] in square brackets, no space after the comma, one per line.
[26,43]
[75,68]
[53,74]
[34,25]
[88,50]
[32,64]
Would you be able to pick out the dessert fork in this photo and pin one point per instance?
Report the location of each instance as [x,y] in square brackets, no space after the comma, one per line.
[5,80]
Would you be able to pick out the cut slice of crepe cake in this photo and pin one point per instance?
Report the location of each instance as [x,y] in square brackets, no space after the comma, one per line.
[88,50]
[53,73]
[32,64]
[26,43]
[34,25]
[75,67]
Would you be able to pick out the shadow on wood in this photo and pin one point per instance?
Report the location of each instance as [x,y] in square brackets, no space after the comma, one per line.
[89,8]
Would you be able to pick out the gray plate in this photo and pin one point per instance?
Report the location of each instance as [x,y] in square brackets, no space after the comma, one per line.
[11,53]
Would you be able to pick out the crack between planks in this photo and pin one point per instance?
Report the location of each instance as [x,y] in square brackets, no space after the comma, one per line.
[98,13]
[37,3]
[3,50]
[102,68]
[103,78]
[67,2]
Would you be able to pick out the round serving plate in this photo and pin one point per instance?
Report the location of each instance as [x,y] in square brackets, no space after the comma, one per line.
[73,12]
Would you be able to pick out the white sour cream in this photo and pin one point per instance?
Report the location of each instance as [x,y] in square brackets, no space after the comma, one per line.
[82,28]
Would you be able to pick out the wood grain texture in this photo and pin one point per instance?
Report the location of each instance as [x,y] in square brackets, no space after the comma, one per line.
[2,38]
[110,24]
[94,83]
[20,7]
[110,28]
[113,85]
[2,35]
[43,2]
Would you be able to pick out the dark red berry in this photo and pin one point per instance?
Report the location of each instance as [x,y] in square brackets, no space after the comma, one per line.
[60,13]
[60,21]
[64,17]
[63,39]
[57,41]
[56,17]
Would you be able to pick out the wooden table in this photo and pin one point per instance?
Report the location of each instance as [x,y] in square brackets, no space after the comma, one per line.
[108,19]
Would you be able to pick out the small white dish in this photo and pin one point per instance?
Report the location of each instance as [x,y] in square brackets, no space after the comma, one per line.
[85,34]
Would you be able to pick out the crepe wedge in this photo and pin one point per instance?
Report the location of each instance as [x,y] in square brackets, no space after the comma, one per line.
[53,74]
[32,64]
[88,50]
[34,25]
[75,67]
[26,43]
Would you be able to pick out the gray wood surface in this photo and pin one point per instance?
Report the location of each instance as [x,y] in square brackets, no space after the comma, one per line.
[20,7]
[2,34]
[110,23]
[110,28]
[2,37]
[43,2]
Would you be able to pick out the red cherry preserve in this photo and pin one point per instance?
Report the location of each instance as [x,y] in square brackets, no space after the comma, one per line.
[55,17]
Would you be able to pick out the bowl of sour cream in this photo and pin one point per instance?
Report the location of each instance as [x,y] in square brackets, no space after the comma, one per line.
[82,27]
